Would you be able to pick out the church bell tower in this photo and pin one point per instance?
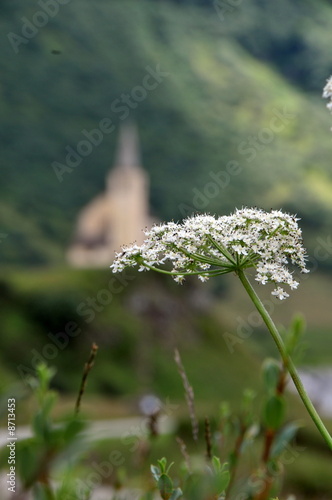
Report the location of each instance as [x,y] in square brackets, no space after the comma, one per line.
[118,216]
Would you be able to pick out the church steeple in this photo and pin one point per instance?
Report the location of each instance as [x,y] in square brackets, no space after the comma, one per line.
[128,151]
[118,216]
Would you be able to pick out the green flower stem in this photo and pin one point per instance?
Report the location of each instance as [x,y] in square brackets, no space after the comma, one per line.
[222,250]
[212,272]
[285,358]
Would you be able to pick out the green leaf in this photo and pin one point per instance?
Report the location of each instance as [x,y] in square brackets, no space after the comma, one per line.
[49,401]
[44,376]
[162,464]
[155,472]
[216,464]
[283,438]
[28,459]
[73,428]
[222,481]
[222,476]
[176,494]
[271,374]
[165,486]
[274,412]
[232,458]
[169,467]
[41,426]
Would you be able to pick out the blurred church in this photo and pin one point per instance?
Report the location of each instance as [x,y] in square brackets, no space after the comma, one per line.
[119,215]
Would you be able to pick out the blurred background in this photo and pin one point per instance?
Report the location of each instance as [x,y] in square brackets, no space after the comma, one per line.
[118,113]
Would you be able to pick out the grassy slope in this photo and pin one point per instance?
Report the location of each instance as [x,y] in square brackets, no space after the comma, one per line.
[216,96]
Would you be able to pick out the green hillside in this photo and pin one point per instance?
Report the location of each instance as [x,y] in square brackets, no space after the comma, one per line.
[137,322]
[236,117]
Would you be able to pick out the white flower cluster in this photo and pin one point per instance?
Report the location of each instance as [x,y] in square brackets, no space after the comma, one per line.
[327,93]
[207,246]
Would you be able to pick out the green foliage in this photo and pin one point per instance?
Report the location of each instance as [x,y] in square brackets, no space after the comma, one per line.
[221,475]
[225,79]
[164,482]
[283,438]
[240,433]
[55,452]
[198,485]
[274,412]
[271,374]
[51,447]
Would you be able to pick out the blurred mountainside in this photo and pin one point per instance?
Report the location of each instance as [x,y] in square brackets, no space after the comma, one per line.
[227,101]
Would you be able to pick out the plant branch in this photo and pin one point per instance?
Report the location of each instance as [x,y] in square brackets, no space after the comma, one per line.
[286,359]
[87,368]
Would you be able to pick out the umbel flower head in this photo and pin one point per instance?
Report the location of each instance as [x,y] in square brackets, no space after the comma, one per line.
[206,246]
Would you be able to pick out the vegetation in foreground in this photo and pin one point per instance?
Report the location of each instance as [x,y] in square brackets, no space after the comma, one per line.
[251,453]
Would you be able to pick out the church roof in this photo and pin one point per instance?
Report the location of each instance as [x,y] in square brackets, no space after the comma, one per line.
[128,151]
